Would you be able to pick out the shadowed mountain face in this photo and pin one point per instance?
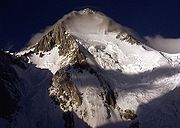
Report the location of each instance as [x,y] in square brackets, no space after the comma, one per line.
[25,100]
[87,71]
[9,80]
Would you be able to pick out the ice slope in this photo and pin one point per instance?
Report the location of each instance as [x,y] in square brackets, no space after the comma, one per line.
[138,76]
[127,66]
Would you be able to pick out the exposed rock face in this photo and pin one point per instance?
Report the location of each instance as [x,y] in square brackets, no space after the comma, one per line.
[123,36]
[129,114]
[45,44]
[64,91]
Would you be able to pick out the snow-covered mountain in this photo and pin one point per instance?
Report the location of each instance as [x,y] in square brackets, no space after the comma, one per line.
[89,71]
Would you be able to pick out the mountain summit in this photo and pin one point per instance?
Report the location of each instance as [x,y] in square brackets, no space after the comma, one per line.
[89,71]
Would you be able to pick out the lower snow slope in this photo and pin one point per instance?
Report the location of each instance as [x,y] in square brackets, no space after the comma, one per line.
[137,77]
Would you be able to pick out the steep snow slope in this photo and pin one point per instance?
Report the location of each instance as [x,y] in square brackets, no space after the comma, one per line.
[99,75]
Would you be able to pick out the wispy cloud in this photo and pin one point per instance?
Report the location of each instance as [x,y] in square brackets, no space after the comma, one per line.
[169,45]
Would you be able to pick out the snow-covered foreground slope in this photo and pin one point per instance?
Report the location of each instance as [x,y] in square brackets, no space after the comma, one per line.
[89,71]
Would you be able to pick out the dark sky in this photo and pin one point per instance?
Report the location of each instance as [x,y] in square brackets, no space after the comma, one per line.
[21,19]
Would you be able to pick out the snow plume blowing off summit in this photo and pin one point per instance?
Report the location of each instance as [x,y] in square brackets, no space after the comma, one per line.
[86,22]
[98,23]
